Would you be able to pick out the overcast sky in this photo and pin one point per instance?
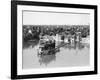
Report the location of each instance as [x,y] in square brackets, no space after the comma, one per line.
[46,18]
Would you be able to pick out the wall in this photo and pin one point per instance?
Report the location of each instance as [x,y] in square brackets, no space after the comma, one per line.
[5,29]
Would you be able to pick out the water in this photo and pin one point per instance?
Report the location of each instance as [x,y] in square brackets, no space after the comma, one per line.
[69,55]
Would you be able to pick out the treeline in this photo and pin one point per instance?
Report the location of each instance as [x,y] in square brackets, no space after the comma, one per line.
[32,32]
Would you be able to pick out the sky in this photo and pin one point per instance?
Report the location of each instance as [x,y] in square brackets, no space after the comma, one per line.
[52,18]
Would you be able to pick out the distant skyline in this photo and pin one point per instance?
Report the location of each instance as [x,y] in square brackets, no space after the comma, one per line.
[46,18]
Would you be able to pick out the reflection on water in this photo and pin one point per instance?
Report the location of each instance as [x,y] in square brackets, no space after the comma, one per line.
[76,54]
[30,43]
[46,59]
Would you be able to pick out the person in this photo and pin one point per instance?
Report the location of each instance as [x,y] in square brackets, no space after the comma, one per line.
[69,41]
[63,37]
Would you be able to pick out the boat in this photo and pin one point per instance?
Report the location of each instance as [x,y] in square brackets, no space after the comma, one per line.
[46,46]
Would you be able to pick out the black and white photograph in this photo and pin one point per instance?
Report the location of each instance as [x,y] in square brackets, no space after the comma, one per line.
[53,39]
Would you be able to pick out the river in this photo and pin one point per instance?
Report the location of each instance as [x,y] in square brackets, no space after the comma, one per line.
[69,55]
